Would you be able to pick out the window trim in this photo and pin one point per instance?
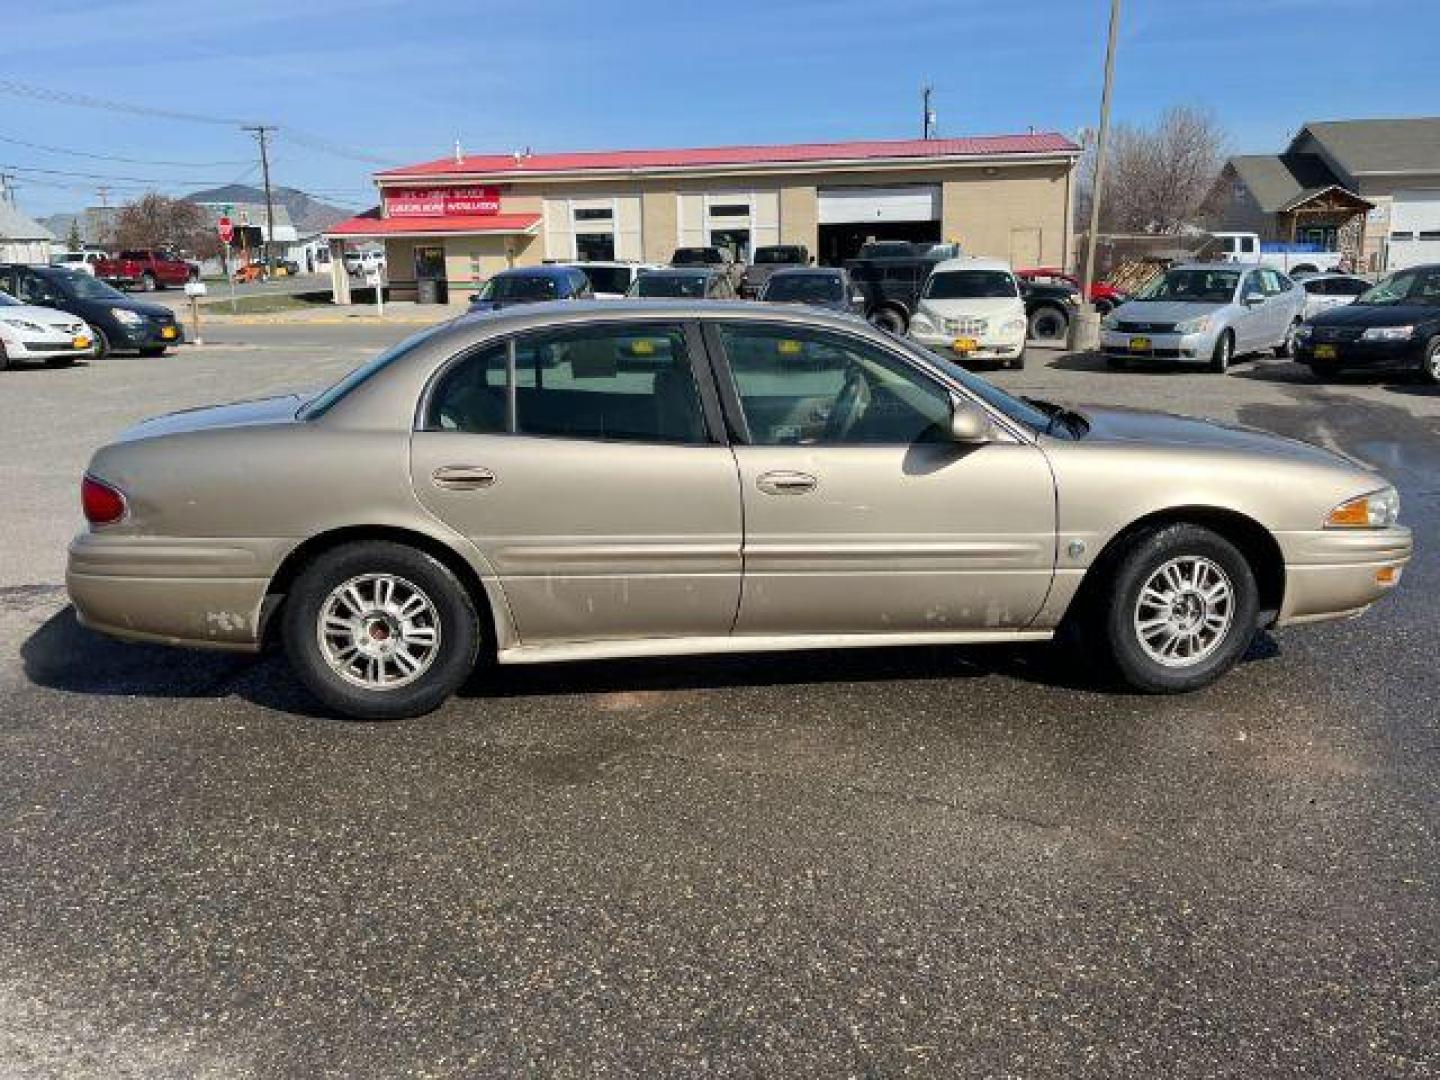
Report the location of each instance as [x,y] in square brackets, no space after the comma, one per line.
[710,410]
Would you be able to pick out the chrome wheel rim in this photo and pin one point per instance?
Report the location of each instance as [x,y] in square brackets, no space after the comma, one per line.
[379,631]
[1184,611]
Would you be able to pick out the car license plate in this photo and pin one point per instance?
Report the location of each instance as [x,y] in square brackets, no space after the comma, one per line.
[1325,352]
[167,332]
[82,342]
[1141,344]
[965,344]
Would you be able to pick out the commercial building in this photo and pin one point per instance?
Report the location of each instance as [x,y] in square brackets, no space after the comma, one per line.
[458,220]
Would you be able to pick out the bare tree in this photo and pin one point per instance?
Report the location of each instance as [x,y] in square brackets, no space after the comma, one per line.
[159,221]
[1157,179]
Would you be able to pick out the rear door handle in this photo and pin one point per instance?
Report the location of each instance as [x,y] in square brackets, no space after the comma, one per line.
[462,477]
[784,482]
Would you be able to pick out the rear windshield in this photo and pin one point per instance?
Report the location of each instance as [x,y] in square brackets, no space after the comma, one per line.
[611,279]
[322,403]
[696,256]
[804,288]
[767,255]
[520,287]
[691,285]
[969,285]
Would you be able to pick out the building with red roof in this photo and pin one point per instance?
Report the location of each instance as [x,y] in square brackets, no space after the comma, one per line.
[457,220]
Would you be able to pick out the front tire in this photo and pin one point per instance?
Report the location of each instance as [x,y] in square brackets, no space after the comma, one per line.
[102,344]
[1430,366]
[1287,345]
[1179,611]
[889,320]
[1224,353]
[380,631]
[1048,323]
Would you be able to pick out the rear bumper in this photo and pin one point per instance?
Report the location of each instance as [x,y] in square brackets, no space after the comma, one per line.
[1335,573]
[204,593]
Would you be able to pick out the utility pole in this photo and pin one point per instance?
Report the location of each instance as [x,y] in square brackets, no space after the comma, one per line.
[1086,328]
[927,127]
[7,192]
[262,132]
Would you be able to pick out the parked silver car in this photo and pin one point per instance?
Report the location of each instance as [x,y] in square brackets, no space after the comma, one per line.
[591,480]
[1212,312]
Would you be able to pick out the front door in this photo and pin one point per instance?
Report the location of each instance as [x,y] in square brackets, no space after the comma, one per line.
[584,464]
[1250,322]
[861,516]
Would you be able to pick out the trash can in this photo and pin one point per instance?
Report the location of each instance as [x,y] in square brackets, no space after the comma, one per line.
[430,291]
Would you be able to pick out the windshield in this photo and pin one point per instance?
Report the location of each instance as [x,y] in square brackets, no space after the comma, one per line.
[804,288]
[692,285]
[695,257]
[82,286]
[1035,419]
[1194,286]
[321,404]
[770,255]
[1420,286]
[519,287]
[609,279]
[969,285]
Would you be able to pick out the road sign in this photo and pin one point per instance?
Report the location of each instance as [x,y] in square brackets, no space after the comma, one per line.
[226,230]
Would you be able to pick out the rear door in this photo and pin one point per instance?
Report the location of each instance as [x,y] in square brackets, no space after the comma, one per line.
[588,465]
[860,515]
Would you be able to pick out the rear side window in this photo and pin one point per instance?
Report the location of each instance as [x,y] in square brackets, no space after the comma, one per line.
[630,382]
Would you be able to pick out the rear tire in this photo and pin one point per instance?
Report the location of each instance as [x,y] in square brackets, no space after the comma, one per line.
[1179,611]
[343,632]
[1223,354]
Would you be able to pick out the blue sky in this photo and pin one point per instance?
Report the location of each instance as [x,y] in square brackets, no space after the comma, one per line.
[402,79]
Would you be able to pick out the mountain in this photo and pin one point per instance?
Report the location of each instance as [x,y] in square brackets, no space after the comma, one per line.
[308,214]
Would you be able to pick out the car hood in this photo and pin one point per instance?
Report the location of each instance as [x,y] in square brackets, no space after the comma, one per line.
[1376,315]
[274,410]
[1157,429]
[1164,311]
[45,316]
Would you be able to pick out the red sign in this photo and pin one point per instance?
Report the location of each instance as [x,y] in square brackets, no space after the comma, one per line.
[225,229]
[441,202]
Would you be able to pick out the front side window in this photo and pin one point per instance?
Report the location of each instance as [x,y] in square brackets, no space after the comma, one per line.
[803,387]
[630,382]
[969,285]
[1270,282]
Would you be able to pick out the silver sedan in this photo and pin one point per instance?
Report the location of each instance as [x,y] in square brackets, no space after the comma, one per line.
[1212,312]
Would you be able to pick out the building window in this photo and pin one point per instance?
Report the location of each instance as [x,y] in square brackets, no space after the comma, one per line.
[730,210]
[1430,234]
[1402,236]
[594,213]
[595,247]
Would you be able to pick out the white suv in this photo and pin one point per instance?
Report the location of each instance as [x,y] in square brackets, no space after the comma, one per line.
[971,309]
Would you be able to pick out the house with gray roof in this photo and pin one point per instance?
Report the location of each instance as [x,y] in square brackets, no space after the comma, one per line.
[1368,188]
[21,239]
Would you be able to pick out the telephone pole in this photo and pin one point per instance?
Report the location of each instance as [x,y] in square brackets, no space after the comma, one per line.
[262,132]
[927,128]
[1085,329]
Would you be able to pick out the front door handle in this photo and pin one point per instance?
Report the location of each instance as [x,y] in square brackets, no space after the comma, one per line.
[462,477]
[784,482]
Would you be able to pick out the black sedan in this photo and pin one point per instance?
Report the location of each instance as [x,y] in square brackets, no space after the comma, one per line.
[1394,327]
[119,322]
[826,287]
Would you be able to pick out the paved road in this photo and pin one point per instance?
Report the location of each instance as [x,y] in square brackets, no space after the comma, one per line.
[901,863]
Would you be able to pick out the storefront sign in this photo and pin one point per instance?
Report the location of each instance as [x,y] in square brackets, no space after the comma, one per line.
[441,202]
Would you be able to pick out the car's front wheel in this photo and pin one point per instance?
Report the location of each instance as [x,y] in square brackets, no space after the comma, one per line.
[380,631]
[1430,366]
[1224,353]
[1179,611]
[1048,323]
[890,320]
[1287,343]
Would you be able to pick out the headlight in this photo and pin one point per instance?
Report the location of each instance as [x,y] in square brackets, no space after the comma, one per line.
[24,324]
[1013,326]
[1388,333]
[1109,322]
[1193,326]
[1378,510]
[126,316]
[1303,331]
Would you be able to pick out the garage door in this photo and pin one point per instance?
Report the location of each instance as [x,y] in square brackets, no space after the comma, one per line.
[913,202]
[1414,229]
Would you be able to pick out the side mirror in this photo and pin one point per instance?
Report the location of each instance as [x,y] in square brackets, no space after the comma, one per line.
[968,422]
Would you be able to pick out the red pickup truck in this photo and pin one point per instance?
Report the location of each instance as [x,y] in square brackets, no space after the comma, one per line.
[149,268]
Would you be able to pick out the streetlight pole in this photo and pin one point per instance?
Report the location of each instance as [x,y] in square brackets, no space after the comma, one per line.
[262,132]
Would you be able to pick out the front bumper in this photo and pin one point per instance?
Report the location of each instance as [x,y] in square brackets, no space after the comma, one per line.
[152,333]
[991,347]
[203,593]
[1119,343]
[1408,355]
[49,348]
[1335,573]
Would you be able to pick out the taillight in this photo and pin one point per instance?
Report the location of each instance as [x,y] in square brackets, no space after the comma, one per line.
[103,504]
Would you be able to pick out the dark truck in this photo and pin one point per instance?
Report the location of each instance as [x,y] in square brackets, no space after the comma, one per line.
[766,261]
[891,283]
[149,268]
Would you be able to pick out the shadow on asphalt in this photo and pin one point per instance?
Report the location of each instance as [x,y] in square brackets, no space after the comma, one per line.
[63,655]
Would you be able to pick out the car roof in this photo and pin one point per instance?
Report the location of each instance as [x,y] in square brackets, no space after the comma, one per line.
[971,263]
[539,271]
[561,312]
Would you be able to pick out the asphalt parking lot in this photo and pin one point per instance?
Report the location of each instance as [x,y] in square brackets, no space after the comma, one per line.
[932,862]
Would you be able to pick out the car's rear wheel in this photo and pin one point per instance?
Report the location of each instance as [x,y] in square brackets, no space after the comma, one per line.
[1048,323]
[380,631]
[1223,353]
[1287,344]
[1179,611]
[1430,366]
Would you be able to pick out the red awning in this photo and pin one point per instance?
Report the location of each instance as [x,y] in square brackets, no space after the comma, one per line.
[371,224]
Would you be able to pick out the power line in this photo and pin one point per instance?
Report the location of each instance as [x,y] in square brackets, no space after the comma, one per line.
[113,176]
[115,157]
[89,101]
[314,142]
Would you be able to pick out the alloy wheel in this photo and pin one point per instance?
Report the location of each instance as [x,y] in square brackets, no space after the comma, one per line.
[1184,611]
[378,631]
